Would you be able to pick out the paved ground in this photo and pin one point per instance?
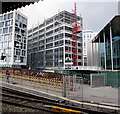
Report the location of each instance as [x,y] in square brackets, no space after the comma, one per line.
[99,94]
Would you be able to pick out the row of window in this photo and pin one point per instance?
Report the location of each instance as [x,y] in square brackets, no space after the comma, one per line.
[6,16]
[6,23]
[6,51]
[21,25]
[5,44]
[20,31]
[19,52]
[19,45]
[21,59]
[21,18]
[6,30]
[20,38]
[5,37]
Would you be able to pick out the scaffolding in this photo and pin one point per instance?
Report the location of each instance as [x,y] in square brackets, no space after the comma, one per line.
[75,31]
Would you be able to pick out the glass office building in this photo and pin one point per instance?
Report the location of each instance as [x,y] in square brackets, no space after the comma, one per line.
[109,45]
[13,39]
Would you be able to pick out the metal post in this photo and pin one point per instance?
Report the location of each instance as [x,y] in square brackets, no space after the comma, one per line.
[64,86]
[111,46]
[69,85]
[82,86]
[74,82]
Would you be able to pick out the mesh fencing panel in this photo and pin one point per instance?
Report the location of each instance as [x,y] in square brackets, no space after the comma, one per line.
[97,80]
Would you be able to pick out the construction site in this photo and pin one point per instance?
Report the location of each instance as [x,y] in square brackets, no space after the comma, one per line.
[41,69]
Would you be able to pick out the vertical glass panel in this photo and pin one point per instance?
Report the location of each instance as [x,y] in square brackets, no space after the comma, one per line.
[2,24]
[0,37]
[5,44]
[9,37]
[18,52]
[0,44]
[0,18]
[102,55]
[10,44]
[23,53]
[12,22]
[0,31]
[8,58]
[15,58]
[108,54]
[6,37]
[10,29]
[5,16]
[116,52]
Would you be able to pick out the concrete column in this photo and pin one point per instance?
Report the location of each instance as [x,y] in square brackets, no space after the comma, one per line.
[111,46]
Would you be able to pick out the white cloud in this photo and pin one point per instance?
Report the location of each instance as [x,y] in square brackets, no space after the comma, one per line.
[95,14]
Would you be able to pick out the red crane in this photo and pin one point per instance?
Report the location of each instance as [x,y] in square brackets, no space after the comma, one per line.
[75,31]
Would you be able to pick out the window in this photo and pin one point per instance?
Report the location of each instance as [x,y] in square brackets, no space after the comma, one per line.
[23,53]
[2,24]
[0,44]
[18,51]
[17,23]
[10,15]
[24,46]
[9,59]
[24,20]
[10,44]
[10,29]
[6,37]
[15,58]
[0,37]
[12,22]
[17,30]
[7,51]
[0,18]
[22,59]
[7,23]
[5,30]
[0,31]
[9,37]
[5,44]
[5,17]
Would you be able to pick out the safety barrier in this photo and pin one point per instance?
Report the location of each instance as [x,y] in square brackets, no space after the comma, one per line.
[22,81]
[64,110]
[62,84]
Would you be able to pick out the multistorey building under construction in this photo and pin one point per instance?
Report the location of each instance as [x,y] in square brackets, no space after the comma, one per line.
[54,44]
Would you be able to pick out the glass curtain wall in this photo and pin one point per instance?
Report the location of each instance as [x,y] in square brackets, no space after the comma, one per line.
[116,52]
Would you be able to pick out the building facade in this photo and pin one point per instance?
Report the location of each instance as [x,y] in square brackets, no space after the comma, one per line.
[109,45]
[52,44]
[88,35]
[13,39]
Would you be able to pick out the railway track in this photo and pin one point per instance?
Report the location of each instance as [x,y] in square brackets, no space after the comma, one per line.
[42,104]
[24,102]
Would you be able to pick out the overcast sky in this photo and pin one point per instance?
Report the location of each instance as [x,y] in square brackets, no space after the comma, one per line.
[96,14]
